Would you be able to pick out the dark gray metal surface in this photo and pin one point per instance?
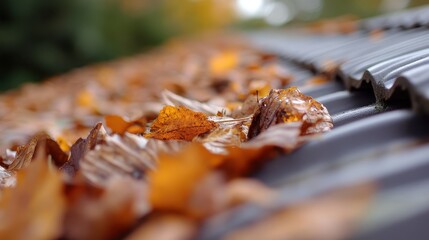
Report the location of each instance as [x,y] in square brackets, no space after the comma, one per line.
[381,125]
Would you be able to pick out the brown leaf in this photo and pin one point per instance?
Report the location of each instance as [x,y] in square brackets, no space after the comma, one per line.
[33,209]
[119,125]
[290,105]
[80,148]
[179,123]
[248,108]
[128,156]
[283,135]
[230,133]
[95,213]
[26,153]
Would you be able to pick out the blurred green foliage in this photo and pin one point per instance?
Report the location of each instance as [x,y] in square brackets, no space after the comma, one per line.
[41,38]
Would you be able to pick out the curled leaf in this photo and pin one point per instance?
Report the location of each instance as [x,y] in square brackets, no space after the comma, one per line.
[290,105]
[26,153]
[128,156]
[179,123]
[81,147]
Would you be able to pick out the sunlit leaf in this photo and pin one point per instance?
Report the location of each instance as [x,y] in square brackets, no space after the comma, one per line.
[179,123]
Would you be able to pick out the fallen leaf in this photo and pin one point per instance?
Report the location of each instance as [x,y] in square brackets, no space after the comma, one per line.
[62,142]
[172,99]
[283,135]
[119,125]
[223,62]
[128,156]
[26,153]
[179,123]
[86,99]
[7,178]
[290,105]
[230,133]
[247,108]
[172,184]
[34,208]
[103,213]
[80,148]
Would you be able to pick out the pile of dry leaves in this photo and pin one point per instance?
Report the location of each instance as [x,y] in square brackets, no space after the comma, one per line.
[150,147]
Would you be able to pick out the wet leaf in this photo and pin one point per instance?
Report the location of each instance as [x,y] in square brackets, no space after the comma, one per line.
[230,133]
[179,123]
[290,105]
[33,209]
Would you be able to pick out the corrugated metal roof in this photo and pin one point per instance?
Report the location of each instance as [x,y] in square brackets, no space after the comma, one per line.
[376,136]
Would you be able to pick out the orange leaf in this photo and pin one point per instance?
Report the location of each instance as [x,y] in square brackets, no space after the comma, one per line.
[34,208]
[116,123]
[223,62]
[172,184]
[87,100]
[179,123]
[119,125]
